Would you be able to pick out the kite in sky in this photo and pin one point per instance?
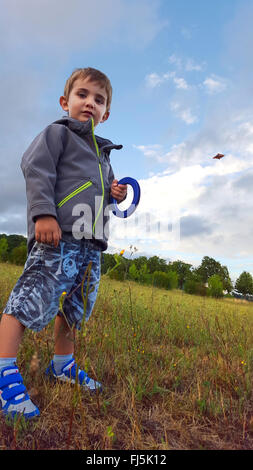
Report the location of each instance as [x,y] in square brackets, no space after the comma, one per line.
[219,156]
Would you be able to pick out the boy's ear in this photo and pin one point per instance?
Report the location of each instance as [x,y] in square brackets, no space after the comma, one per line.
[64,103]
[105,116]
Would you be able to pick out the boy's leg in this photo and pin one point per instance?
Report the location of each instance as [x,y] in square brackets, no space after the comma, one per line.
[32,303]
[63,337]
[63,344]
[74,309]
[11,333]
[14,398]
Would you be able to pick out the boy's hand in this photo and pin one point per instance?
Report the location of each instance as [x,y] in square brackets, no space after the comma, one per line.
[118,191]
[47,230]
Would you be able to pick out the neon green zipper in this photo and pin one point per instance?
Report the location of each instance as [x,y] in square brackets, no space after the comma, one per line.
[77,191]
[94,138]
[101,177]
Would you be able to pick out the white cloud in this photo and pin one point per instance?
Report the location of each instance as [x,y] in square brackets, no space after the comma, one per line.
[182,65]
[216,211]
[154,152]
[175,60]
[214,84]
[190,210]
[153,80]
[181,83]
[191,65]
[220,134]
[212,198]
[185,114]
[188,64]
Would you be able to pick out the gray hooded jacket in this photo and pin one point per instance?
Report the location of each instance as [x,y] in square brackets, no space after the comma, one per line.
[68,175]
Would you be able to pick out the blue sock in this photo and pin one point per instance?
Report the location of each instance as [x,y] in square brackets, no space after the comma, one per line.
[60,361]
[7,362]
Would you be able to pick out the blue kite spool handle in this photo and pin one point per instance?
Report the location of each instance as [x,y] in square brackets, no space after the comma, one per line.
[136,198]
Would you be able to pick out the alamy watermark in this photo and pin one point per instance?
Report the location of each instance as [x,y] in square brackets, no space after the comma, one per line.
[144,225]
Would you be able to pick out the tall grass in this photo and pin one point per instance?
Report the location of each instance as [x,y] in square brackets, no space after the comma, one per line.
[176,370]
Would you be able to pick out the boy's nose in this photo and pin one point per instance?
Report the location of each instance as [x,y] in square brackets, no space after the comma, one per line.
[90,103]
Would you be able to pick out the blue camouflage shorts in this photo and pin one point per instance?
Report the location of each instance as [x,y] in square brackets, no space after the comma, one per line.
[50,271]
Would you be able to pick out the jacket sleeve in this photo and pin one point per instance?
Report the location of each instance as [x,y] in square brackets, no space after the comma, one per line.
[38,165]
[111,176]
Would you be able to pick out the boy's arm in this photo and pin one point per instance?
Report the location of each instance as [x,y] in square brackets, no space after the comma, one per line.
[118,191]
[39,165]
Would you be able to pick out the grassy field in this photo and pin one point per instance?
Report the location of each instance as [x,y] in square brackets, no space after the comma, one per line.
[177,373]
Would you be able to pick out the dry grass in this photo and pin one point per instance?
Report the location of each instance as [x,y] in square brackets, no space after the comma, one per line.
[176,370]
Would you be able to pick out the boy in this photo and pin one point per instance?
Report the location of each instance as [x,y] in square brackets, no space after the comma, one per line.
[68,173]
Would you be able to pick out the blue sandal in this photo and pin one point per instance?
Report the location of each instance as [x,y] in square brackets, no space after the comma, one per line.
[69,374]
[14,399]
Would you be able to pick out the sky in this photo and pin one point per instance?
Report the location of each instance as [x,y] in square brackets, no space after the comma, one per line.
[182,83]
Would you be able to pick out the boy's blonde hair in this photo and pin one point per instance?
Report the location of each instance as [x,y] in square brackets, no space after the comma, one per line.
[95,76]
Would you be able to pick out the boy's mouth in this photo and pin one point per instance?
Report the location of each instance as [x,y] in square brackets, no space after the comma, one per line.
[87,113]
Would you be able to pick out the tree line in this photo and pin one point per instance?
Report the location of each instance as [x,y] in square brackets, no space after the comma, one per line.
[209,278]
[13,249]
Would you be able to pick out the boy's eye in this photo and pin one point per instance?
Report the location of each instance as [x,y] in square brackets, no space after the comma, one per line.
[99,100]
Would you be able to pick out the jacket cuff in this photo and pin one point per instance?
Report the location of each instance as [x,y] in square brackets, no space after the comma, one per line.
[43,209]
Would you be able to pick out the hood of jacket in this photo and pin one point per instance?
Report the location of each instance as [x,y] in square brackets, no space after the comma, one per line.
[84,129]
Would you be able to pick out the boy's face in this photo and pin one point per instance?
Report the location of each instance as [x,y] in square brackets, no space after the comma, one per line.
[87,99]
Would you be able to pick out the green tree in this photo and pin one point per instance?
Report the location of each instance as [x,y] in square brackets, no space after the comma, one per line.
[194,286]
[209,267]
[19,255]
[144,275]
[194,275]
[140,261]
[133,273]
[226,281]
[173,277]
[190,286]
[244,283]
[165,280]
[160,279]
[107,262]
[215,286]
[182,269]
[156,264]
[15,240]
[3,249]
